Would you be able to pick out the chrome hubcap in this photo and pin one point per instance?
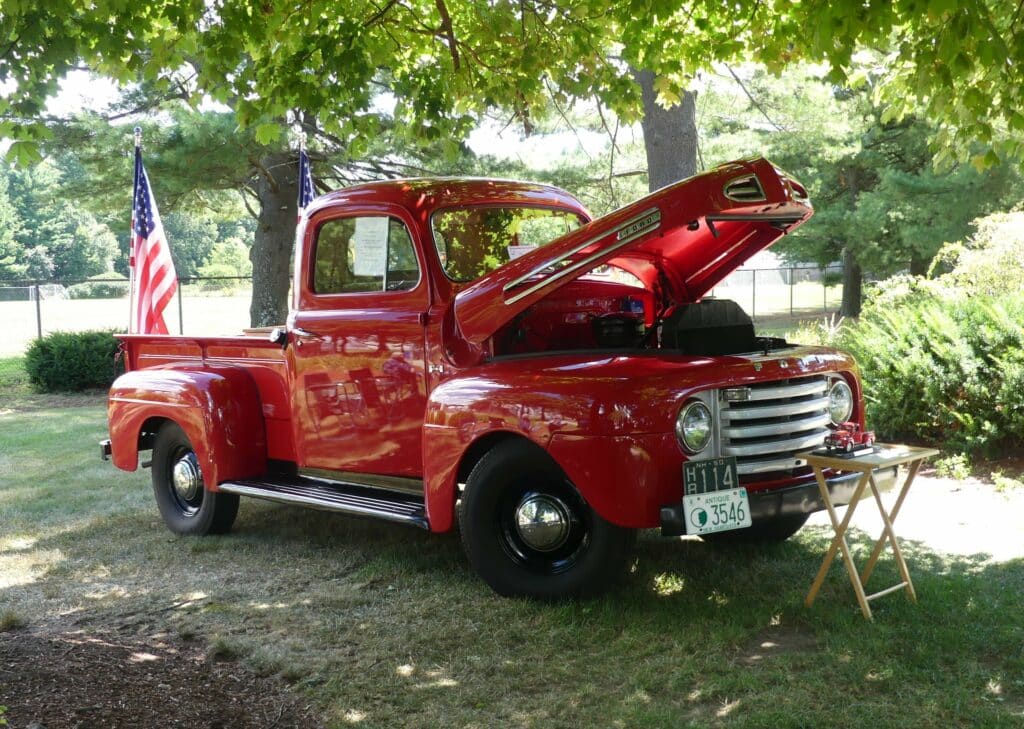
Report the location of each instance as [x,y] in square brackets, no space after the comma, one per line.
[542,522]
[187,478]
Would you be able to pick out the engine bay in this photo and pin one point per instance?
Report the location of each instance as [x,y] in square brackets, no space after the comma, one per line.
[594,314]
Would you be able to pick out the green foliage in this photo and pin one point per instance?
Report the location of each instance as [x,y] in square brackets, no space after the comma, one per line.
[943,367]
[10,225]
[447,63]
[73,361]
[109,285]
[53,237]
[990,261]
[1004,483]
[229,258]
[956,466]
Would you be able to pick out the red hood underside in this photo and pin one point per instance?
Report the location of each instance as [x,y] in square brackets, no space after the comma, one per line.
[682,239]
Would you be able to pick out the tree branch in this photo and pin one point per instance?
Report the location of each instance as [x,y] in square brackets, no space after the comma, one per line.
[754,101]
[446,28]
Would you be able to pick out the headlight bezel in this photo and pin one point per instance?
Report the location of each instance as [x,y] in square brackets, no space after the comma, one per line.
[689,408]
[841,385]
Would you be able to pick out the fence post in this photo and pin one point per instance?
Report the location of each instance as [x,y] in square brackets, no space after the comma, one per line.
[39,312]
[753,295]
[790,292]
[181,319]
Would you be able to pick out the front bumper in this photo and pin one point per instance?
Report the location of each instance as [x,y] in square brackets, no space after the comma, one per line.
[801,499]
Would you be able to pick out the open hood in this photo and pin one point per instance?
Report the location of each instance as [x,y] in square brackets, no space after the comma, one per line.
[684,239]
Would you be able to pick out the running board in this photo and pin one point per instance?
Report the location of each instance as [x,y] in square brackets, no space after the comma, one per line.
[345,498]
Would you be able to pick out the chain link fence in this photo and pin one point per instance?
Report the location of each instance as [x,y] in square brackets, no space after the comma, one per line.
[202,306]
[774,297]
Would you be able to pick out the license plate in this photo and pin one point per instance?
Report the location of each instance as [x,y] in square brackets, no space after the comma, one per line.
[713,501]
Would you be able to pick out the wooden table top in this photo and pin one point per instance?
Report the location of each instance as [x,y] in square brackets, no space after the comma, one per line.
[885,455]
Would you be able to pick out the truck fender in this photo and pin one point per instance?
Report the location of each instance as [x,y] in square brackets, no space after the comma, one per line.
[217,407]
[448,457]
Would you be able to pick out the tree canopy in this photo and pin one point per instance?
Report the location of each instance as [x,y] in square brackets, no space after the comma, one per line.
[447,62]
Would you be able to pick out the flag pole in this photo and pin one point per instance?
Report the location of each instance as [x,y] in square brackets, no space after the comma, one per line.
[131,231]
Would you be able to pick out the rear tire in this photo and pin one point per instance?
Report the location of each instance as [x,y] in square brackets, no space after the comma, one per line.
[765,531]
[181,495]
[527,531]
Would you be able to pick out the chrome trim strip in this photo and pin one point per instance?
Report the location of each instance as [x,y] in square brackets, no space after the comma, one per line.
[655,224]
[774,411]
[778,464]
[789,426]
[774,446]
[777,392]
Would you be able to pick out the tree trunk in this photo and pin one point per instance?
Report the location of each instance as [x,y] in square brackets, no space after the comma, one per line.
[853,281]
[853,276]
[277,189]
[670,135]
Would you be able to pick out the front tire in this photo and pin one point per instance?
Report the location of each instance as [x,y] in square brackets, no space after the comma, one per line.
[527,531]
[765,531]
[185,504]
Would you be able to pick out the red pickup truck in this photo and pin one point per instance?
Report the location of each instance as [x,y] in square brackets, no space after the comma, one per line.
[481,354]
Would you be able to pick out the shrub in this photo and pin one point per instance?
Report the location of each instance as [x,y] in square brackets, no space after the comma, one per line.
[955,466]
[101,287]
[72,361]
[943,366]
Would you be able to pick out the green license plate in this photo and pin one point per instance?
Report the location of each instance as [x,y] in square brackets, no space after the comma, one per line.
[713,500]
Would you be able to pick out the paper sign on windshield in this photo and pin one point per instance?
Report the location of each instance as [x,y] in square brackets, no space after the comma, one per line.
[370,246]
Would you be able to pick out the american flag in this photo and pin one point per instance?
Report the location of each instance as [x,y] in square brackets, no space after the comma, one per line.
[306,190]
[154,280]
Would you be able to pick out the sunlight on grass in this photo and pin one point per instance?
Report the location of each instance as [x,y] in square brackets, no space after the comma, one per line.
[666,585]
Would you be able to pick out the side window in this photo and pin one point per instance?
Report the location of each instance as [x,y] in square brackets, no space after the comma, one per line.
[367,253]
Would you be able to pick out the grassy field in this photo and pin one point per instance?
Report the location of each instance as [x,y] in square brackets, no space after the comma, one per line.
[385,626]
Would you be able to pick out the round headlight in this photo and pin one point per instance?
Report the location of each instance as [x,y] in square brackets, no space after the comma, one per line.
[840,402]
[693,426]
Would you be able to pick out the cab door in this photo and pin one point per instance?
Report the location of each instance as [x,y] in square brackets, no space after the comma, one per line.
[357,340]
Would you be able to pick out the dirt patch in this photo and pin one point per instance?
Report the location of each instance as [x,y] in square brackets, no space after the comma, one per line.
[777,640]
[79,679]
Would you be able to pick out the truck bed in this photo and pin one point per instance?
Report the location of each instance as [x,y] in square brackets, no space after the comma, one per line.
[261,358]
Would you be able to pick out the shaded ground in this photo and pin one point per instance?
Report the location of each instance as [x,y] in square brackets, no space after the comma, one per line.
[385,626]
[72,678]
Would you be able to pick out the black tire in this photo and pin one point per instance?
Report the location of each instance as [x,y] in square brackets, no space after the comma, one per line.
[584,561]
[191,509]
[765,531]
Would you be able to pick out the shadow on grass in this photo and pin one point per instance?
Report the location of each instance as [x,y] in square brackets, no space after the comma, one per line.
[387,625]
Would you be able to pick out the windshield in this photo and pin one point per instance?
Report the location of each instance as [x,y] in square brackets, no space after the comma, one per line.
[474,241]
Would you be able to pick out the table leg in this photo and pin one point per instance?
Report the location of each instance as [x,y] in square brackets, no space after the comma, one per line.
[896,553]
[839,542]
[877,551]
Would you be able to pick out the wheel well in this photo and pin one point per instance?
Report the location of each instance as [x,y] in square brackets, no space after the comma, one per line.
[480,447]
[148,431]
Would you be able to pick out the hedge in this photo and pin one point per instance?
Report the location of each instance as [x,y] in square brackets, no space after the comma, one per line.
[73,361]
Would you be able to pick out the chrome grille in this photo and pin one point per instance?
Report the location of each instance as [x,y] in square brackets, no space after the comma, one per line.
[774,422]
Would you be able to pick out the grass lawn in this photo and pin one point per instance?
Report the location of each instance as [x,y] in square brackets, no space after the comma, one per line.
[384,626]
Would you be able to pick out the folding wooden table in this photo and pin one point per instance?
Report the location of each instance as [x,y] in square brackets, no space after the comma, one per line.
[884,456]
